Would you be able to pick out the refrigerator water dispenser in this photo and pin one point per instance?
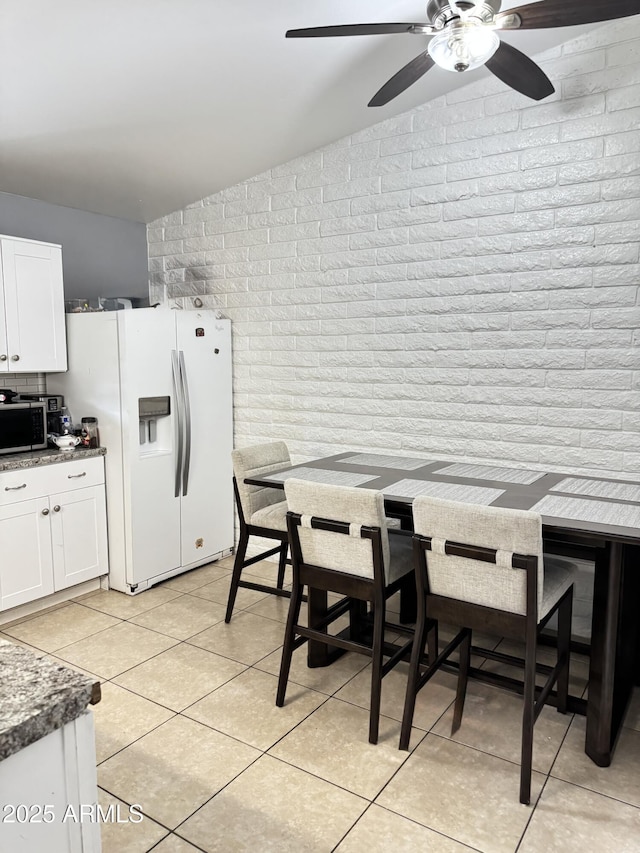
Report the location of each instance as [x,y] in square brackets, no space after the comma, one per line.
[149,410]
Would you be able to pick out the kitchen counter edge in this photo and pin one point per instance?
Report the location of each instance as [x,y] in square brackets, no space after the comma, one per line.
[51,456]
[38,696]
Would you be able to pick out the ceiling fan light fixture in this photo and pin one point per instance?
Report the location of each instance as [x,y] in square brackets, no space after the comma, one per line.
[463,46]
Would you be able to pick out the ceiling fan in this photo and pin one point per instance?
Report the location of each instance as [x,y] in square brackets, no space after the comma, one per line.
[463,34]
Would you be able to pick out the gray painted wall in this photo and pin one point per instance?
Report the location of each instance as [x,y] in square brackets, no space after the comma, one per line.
[101,255]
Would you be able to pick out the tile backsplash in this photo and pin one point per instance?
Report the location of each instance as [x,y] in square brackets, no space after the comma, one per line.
[24,383]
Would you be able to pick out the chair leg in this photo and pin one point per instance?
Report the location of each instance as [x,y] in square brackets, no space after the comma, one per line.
[528,719]
[414,674]
[238,565]
[408,594]
[289,638]
[376,670]
[463,677]
[282,564]
[357,618]
[432,642]
[564,649]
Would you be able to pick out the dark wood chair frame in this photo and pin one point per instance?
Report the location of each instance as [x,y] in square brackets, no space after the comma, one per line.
[500,622]
[357,590]
[240,563]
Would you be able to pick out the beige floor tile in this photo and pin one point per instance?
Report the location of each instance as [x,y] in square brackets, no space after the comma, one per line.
[218,591]
[181,618]
[125,606]
[11,622]
[22,643]
[121,717]
[578,669]
[245,709]
[121,834]
[60,662]
[38,653]
[174,769]
[432,701]
[116,649]
[333,744]
[180,676]
[382,831]
[173,844]
[198,577]
[267,572]
[324,679]
[61,627]
[274,808]
[620,780]
[492,722]
[464,794]
[247,638]
[276,607]
[225,562]
[569,819]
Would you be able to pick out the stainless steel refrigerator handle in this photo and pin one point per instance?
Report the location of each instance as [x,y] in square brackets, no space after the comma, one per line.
[187,424]
[177,397]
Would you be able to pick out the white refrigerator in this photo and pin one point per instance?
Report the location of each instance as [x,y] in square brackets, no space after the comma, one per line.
[159,382]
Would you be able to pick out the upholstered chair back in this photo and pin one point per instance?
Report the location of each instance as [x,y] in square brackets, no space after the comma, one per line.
[253,462]
[507,531]
[354,506]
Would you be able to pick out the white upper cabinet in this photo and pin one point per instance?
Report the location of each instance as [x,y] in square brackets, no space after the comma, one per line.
[32,328]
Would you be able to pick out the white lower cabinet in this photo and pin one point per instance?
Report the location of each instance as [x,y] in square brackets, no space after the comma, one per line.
[53,530]
[27,560]
[78,535]
[49,792]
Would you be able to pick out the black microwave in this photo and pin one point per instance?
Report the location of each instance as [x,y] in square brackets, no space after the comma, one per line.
[23,426]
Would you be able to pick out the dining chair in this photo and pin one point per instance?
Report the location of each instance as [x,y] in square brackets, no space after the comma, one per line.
[483,568]
[340,543]
[261,512]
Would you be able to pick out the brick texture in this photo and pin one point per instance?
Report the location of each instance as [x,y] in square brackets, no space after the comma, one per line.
[460,280]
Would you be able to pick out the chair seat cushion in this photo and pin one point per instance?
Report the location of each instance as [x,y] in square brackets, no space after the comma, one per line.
[559,574]
[273,516]
[401,563]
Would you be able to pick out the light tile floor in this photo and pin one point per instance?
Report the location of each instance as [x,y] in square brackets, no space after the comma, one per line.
[188,729]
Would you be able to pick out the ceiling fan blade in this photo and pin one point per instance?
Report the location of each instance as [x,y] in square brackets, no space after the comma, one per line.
[566,13]
[408,75]
[521,73]
[355,30]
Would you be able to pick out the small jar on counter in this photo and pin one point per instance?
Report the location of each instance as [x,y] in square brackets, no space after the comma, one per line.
[90,434]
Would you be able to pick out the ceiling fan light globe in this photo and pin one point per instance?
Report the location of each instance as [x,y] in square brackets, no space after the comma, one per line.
[463,47]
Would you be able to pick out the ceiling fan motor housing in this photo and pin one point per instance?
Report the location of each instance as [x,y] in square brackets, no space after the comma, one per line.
[440,12]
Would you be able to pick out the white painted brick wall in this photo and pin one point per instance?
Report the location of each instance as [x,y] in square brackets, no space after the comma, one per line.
[460,280]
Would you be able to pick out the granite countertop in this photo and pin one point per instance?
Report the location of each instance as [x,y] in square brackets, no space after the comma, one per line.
[38,696]
[51,456]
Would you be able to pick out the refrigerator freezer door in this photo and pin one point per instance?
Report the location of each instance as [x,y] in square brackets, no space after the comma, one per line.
[207,505]
[152,509]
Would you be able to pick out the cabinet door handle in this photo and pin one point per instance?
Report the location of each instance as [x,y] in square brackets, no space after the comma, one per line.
[3,357]
[15,358]
[56,508]
[45,512]
[75,476]
[15,488]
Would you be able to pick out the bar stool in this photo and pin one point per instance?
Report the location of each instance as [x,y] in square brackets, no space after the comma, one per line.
[339,543]
[261,512]
[483,568]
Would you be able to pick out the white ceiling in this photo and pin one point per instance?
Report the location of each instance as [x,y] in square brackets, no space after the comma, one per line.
[135,108]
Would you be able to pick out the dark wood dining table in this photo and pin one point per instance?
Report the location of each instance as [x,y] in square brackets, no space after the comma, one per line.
[583,516]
